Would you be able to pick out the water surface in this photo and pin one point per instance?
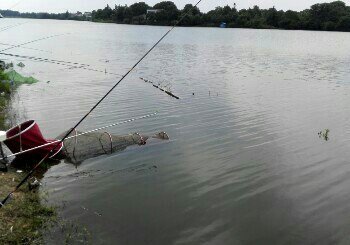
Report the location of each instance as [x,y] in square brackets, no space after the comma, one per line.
[244,164]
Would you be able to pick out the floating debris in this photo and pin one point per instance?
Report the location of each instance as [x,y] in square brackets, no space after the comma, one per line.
[20,64]
[33,183]
[324,134]
[84,208]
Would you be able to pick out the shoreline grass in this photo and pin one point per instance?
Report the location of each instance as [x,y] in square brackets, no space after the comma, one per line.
[24,217]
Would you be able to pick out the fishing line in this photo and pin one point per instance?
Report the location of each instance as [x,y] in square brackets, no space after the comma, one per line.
[33,41]
[96,105]
[11,45]
[10,27]
[64,63]
[70,65]
[42,59]
[59,62]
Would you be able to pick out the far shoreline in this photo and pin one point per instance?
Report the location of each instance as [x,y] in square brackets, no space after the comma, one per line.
[330,16]
[209,27]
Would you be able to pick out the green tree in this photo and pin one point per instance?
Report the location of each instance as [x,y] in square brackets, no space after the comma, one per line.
[243,18]
[323,13]
[329,26]
[169,12]
[191,16]
[139,8]
[272,17]
[344,24]
[190,9]
[103,14]
[290,20]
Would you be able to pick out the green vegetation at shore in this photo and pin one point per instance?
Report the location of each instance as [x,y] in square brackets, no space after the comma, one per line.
[23,217]
[334,16]
[18,79]
[4,84]
[5,91]
[10,78]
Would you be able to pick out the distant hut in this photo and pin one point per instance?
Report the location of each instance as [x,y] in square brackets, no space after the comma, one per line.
[154,11]
[88,16]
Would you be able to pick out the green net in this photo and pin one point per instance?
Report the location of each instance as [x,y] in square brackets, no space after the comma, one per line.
[18,79]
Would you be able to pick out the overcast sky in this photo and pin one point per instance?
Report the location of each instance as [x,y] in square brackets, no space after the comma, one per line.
[88,5]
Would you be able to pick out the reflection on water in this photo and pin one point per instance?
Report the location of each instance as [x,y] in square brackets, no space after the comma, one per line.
[244,164]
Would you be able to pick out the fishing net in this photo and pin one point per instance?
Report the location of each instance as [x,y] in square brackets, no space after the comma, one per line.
[18,79]
[78,149]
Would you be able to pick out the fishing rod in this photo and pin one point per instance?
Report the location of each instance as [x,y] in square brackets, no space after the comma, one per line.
[81,134]
[96,105]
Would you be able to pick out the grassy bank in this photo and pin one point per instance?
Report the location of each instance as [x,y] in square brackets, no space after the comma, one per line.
[24,217]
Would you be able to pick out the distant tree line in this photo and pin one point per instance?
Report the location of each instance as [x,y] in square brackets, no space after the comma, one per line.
[334,16]
[61,16]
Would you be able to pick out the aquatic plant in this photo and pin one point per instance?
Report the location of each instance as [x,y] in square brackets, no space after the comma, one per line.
[324,134]
[20,64]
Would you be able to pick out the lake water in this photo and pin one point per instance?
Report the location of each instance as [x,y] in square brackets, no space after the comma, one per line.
[244,164]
